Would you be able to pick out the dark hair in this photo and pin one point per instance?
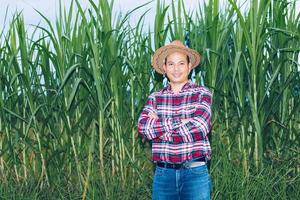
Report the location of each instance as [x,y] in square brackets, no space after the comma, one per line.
[187,58]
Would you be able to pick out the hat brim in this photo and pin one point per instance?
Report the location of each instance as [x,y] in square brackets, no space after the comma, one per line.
[160,55]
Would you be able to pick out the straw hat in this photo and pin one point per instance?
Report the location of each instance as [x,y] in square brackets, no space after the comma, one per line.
[160,55]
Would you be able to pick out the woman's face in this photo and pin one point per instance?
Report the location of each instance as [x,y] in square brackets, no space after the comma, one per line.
[177,68]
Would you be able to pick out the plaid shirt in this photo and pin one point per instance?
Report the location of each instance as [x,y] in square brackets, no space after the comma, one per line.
[172,140]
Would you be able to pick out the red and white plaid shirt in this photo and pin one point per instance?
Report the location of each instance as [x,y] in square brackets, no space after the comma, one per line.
[172,140]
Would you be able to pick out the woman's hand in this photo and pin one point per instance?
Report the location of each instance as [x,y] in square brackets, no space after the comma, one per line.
[185,121]
[153,115]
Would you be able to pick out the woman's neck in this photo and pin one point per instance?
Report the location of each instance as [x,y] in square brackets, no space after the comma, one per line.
[176,87]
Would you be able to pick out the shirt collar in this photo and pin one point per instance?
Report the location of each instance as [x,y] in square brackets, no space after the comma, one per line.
[185,87]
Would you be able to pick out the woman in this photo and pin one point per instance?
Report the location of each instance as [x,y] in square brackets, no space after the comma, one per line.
[178,119]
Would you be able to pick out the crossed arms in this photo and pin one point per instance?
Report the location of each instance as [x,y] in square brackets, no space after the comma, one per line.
[152,127]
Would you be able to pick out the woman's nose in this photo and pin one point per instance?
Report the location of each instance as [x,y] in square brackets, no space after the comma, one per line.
[176,66]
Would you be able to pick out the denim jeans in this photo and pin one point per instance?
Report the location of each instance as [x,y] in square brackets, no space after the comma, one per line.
[181,184]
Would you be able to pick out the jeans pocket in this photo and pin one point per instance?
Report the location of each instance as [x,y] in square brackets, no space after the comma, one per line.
[160,171]
[197,184]
[202,170]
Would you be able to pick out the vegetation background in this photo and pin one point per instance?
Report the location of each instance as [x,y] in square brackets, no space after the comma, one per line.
[71,93]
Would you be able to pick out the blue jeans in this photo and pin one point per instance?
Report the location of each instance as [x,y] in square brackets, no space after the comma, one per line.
[181,184]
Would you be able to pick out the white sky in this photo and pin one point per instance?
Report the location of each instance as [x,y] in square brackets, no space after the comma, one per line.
[49,9]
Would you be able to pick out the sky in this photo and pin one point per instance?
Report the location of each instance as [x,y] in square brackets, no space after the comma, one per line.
[49,9]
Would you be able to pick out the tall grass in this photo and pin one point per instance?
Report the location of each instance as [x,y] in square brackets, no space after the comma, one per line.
[71,93]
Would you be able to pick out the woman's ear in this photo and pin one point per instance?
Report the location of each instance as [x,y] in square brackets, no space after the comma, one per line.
[164,68]
[190,67]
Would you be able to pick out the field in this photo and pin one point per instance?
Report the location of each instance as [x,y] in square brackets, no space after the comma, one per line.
[72,90]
